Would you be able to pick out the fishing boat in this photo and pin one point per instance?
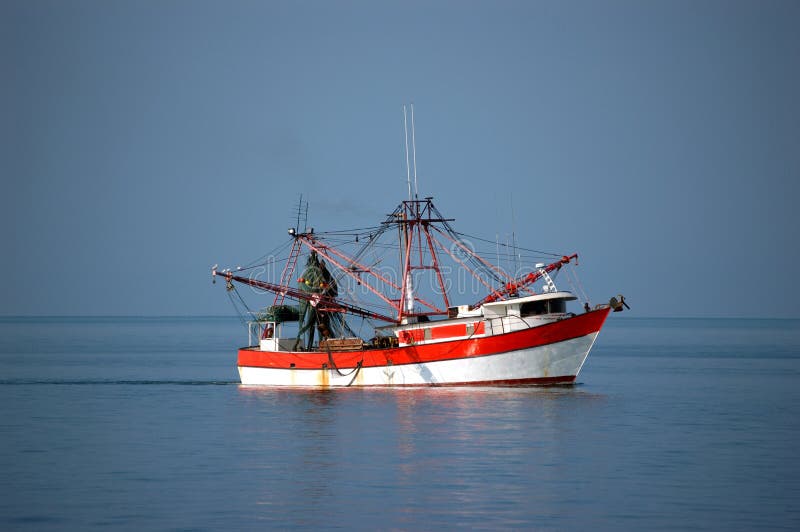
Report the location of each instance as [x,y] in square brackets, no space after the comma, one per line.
[375,307]
[520,332]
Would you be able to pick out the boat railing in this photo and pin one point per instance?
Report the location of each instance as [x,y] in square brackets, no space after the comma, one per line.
[257,329]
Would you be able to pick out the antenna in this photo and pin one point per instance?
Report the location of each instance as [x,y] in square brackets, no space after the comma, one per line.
[408,168]
[302,212]
[497,243]
[305,218]
[414,152]
[514,236]
[299,210]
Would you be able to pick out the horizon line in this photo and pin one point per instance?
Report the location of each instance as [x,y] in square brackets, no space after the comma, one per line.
[626,317]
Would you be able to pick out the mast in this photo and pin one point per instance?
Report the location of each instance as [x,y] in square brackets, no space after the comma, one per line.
[408,287]
[406,230]
[416,218]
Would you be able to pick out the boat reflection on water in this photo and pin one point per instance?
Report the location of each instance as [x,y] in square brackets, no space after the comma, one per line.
[437,450]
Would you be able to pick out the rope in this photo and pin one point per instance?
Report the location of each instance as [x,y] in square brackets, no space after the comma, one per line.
[241,308]
[356,369]
[263,259]
[571,273]
[538,252]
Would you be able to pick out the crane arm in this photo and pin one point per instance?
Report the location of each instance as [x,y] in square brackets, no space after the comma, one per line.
[513,286]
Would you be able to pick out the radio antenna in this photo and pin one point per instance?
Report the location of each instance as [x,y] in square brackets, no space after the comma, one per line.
[414,152]
[408,167]
[514,236]
[302,212]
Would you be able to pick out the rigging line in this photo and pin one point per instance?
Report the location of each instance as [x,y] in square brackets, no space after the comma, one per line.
[546,253]
[375,244]
[349,293]
[378,258]
[274,251]
[350,297]
[490,267]
[494,271]
[581,292]
[474,274]
[352,231]
[276,260]
[361,326]
[239,311]
[264,265]
[327,252]
[244,303]
[342,243]
[347,327]
[259,261]
[372,239]
[524,256]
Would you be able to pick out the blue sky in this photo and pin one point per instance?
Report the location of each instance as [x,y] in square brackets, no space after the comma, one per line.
[144,141]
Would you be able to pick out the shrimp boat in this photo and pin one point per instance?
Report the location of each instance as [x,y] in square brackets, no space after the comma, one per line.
[341,315]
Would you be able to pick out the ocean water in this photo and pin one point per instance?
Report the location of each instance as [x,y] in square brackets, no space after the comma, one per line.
[139,423]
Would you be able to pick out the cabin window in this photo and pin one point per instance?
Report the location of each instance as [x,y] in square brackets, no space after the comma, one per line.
[558,306]
[533,308]
[545,306]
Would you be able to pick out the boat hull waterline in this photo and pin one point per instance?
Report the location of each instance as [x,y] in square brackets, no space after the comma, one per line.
[545,355]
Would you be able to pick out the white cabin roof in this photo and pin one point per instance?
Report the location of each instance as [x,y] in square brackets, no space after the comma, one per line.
[536,297]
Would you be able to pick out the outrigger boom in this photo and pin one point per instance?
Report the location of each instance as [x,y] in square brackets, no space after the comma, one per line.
[321,302]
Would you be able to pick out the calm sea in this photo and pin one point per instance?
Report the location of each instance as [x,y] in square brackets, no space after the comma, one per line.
[139,424]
